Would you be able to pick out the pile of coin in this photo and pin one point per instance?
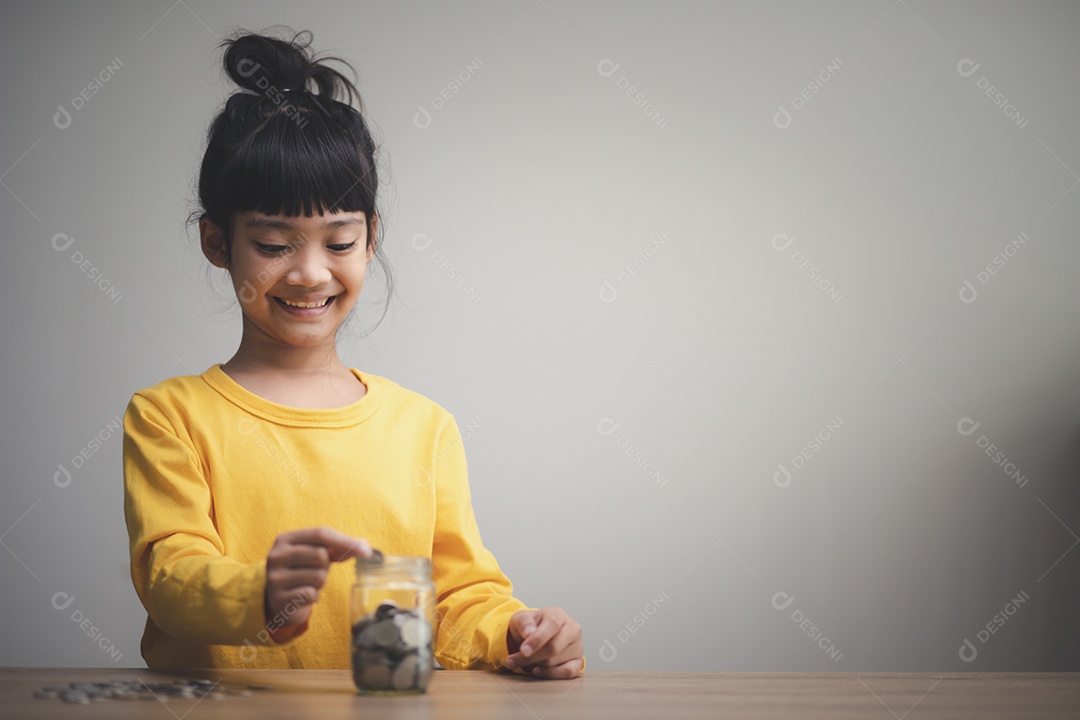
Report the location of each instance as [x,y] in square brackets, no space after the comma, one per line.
[391,650]
[187,689]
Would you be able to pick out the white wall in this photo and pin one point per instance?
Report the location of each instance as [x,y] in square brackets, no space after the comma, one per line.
[544,185]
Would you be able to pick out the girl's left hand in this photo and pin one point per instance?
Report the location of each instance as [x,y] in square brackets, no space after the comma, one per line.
[546,643]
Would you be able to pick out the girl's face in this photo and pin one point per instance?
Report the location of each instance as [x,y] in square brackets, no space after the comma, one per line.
[297,277]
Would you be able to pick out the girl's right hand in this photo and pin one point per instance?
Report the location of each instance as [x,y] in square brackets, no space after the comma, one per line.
[296,569]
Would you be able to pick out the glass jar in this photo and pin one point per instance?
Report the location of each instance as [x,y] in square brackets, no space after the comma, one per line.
[392,616]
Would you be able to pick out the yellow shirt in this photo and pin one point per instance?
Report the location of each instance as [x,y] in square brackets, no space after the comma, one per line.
[213,473]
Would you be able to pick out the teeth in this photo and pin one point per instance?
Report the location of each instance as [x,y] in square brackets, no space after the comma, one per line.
[305,304]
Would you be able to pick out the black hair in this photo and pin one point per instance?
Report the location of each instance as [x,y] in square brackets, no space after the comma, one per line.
[289,142]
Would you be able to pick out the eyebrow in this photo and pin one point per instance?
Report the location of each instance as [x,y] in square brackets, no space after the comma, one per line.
[264,222]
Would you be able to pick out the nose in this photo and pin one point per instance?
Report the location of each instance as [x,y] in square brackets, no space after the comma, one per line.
[308,267]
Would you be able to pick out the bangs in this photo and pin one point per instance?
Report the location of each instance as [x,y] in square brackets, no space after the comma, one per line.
[297,166]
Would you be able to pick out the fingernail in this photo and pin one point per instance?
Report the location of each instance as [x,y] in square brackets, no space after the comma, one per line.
[526,649]
[510,664]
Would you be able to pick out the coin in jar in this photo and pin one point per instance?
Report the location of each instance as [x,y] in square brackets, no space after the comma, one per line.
[376,676]
[387,608]
[385,633]
[410,632]
[405,673]
[424,670]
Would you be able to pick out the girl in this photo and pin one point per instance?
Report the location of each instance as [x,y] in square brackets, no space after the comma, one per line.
[243,485]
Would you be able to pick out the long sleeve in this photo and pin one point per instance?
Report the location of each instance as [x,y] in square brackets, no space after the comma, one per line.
[189,588]
[474,598]
[214,473]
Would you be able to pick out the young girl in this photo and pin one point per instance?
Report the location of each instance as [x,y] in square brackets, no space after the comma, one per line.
[243,485]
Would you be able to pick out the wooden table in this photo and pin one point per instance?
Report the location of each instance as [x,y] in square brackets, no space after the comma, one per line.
[476,695]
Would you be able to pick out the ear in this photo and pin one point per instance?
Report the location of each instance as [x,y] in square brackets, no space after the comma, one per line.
[213,243]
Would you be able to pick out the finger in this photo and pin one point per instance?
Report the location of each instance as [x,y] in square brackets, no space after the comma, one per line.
[292,607]
[568,669]
[534,652]
[339,545]
[289,578]
[564,646]
[554,652]
[523,624]
[298,595]
[545,630]
[301,556]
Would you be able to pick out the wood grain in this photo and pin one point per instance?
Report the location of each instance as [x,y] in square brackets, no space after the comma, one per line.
[478,695]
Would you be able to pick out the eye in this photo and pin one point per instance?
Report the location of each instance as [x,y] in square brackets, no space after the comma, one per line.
[343,247]
[271,249]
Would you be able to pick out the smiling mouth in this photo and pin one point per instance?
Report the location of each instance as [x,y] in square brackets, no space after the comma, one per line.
[305,305]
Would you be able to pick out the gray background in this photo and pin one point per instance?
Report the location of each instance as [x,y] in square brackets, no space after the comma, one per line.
[625,448]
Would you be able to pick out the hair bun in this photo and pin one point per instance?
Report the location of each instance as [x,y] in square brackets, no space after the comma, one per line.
[262,63]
